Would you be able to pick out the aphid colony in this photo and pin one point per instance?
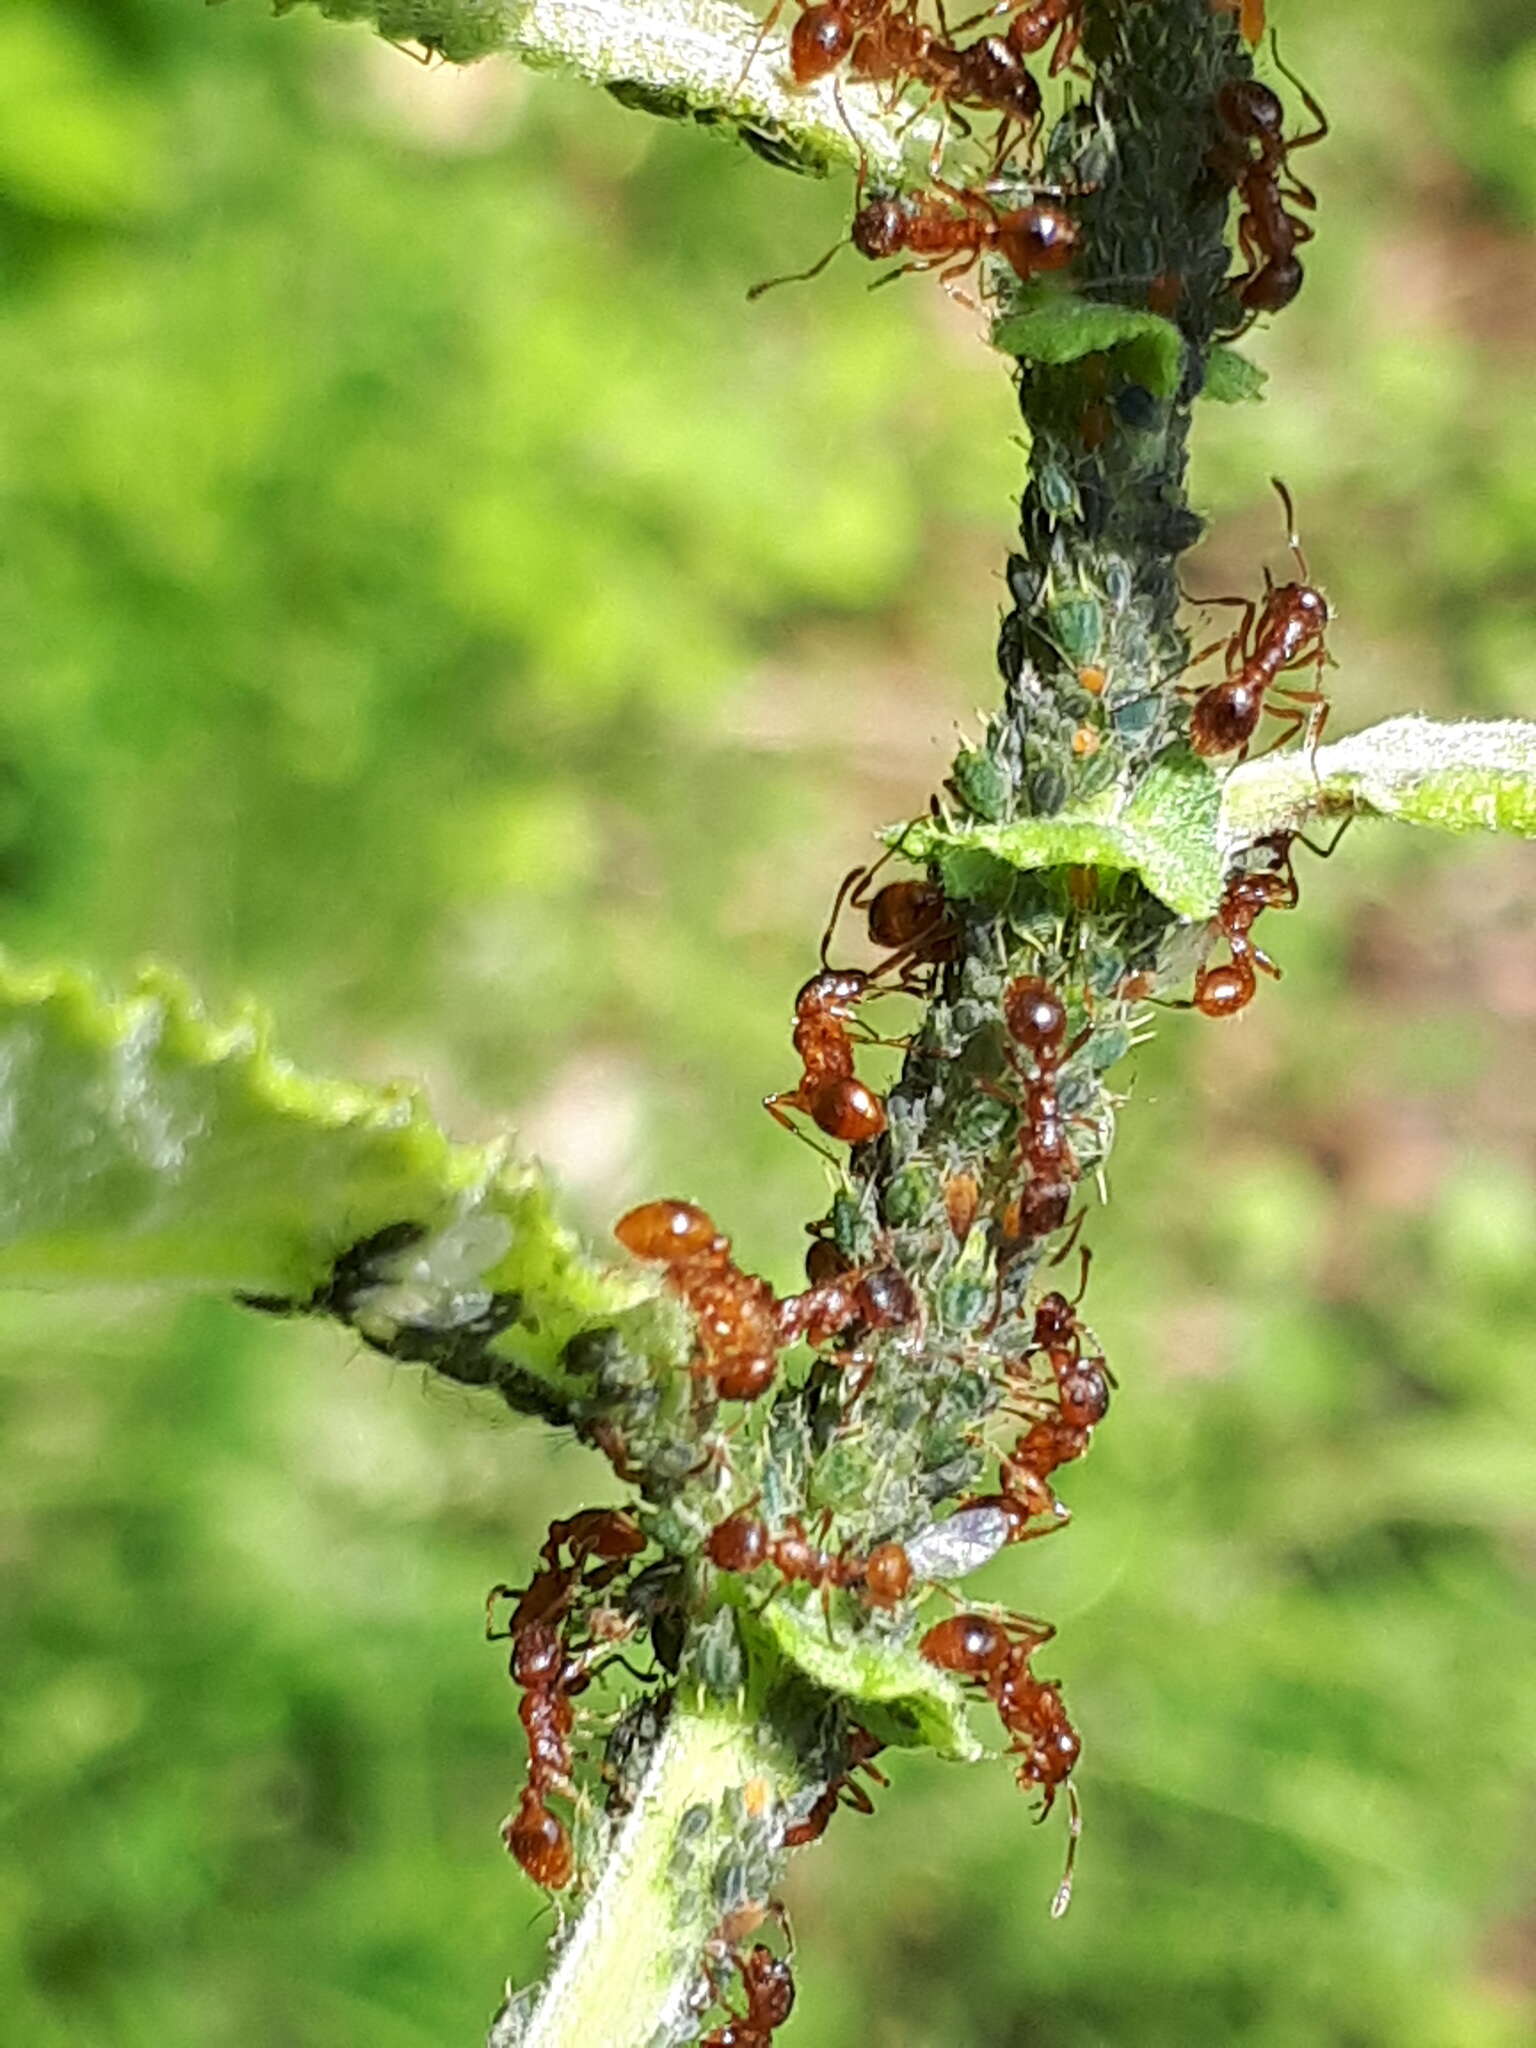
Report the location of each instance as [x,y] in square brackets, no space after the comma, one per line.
[1027,226]
[588,1599]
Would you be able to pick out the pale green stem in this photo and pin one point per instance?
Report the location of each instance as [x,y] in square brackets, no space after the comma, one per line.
[629,1969]
[1457,778]
[701,58]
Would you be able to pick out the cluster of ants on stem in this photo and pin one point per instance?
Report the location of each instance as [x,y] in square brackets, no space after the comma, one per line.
[587,1598]
[950,227]
[579,1610]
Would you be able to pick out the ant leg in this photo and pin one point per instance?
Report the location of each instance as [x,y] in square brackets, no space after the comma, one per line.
[497,1593]
[769,24]
[1085,1254]
[849,891]
[789,1096]
[796,276]
[1290,528]
[1063,1898]
[1326,852]
[1316,134]
[1067,40]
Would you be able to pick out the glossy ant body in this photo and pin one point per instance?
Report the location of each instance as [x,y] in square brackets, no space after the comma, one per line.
[601,1542]
[1227,988]
[770,1993]
[1254,156]
[988,76]
[911,918]
[950,229]
[1032,1710]
[829,1091]
[846,1299]
[743,1542]
[1034,24]
[534,1834]
[1287,633]
[1036,1019]
[735,1312]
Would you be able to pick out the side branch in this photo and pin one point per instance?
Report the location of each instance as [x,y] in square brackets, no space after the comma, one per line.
[1473,777]
[700,60]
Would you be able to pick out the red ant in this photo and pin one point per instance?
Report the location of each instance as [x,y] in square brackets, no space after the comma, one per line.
[1255,157]
[1223,990]
[610,1534]
[988,75]
[1034,24]
[1032,239]
[1288,633]
[910,918]
[1037,1020]
[742,1542]
[535,1835]
[1031,1709]
[770,1990]
[841,1790]
[829,1092]
[845,1299]
[822,37]
[735,1312]
[1082,1384]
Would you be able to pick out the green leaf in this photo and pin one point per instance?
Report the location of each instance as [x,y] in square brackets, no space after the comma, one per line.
[1231,379]
[898,1696]
[1055,326]
[143,1143]
[1165,832]
[1473,777]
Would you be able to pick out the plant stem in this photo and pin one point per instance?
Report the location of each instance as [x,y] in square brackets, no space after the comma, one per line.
[627,1972]
[700,60]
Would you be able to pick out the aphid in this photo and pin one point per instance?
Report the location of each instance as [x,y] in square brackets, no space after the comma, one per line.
[770,1994]
[950,229]
[964,1542]
[1287,633]
[743,1542]
[1250,18]
[734,1312]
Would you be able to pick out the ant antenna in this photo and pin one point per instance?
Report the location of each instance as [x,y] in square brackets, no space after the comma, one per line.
[1063,1897]
[797,276]
[1287,73]
[1290,525]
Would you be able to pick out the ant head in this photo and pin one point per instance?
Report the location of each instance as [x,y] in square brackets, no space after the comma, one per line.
[1251,109]
[879,228]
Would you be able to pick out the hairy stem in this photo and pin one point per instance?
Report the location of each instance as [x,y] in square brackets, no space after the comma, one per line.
[628,1971]
[691,60]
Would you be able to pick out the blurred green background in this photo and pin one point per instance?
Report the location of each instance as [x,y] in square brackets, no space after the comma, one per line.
[433,600]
